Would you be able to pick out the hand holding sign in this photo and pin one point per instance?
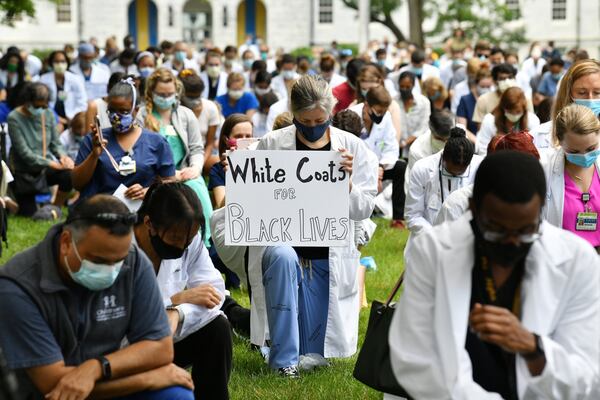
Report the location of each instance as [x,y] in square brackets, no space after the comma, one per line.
[348,163]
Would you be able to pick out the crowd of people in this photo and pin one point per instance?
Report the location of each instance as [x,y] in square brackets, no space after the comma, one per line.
[491,164]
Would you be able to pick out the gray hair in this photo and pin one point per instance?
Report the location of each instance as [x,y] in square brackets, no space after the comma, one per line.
[125,89]
[311,92]
[36,91]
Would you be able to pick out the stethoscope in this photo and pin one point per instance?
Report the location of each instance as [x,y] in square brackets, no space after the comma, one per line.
[449,180]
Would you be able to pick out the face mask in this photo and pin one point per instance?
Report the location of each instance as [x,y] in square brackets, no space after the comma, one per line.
[164,103]
[583,160]
[557,77]
[92,275]
[506,84]
[437,145]
[36,112]
[376,119]
[364,92]
[191,103]
[235,94]
[288,74]
[165,251]
[261,92]
[483,90]
[180,56]
[12,67]
[120,123]
[312,133]
[381,63]
[344,64]
[435,96]
[228,63]
[513,117]
[406,94]
[146,72]
[503,254]
[60,67]
[85,64]
[213,71]
[264,55]
[248,64]
[417,71]
[592,104]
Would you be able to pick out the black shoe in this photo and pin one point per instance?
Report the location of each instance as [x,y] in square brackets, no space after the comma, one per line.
[289,372]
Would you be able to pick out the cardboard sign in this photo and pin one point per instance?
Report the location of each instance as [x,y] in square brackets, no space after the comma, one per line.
[293,198]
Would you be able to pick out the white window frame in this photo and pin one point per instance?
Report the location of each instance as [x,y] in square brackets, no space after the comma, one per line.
[326,11]
[63,10]
[559,10]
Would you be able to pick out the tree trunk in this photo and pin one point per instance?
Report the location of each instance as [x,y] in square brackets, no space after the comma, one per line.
[389,22]
[415,15]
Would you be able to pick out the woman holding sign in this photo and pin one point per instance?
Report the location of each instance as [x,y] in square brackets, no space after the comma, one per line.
[305,299]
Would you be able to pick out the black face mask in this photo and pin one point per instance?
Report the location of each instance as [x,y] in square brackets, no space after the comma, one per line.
[165,251]
[376,118]
[406,94]
[504,254]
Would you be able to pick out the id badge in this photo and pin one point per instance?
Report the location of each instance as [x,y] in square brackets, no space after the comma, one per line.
[127,166]
[62,95]
[587,221]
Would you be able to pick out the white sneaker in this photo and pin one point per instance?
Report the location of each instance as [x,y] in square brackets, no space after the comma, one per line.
[310,361]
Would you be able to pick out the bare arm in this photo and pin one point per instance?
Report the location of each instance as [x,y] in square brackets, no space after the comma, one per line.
[82,173]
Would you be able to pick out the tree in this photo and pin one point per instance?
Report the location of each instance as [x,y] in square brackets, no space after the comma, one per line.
[415,16]
[381,11]
[481,19]
[12,9]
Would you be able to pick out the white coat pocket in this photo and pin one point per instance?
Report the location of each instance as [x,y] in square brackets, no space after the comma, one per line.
[346,269]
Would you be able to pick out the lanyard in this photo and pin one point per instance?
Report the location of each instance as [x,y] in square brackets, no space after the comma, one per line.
[490,287]
[585,198]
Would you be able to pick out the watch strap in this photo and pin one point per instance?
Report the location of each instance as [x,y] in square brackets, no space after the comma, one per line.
[105,365]
[539,349]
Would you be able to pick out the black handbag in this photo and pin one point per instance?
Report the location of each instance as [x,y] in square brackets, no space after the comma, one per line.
[27,183]
[373,366]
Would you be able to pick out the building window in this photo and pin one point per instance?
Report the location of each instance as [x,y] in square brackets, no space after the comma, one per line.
[559,9]
[63,11]
[225,16]
[513,7]
[325,11]
[171,23]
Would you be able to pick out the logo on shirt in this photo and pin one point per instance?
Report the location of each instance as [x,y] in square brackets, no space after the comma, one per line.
[111,310]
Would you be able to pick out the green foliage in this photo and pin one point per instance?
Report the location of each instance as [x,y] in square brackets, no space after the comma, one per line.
[251,378]
[381,11]
[351,46]
[303,51]
[481,19]
[13,10]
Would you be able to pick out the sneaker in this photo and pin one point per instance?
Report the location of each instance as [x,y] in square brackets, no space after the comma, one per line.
[398,224]
[311,361]
[289,372]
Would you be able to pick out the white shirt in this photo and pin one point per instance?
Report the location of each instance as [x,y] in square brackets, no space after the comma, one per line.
[115,66]
[542,137]
[102,113]
[96,85]
[429,187]
[531,70]
[259,124]
[461,89]
[336,79]
[415,121]
[221,84]
[73,94]
[278,108]
[455,206]
[209,116]
[429,71]
[187,64]
[70,143]
[382,138]
[488,130]
[278,84]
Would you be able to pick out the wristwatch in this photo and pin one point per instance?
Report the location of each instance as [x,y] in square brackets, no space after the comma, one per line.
[179,312]
[105,365]
[539,349]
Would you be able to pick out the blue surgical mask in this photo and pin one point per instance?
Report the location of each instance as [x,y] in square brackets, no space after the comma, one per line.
[312,133]
[248,63]
[164,103]
[592,104]
[180,55]
[36,112]
[557,77]
[417,71]
[120,123]
[583,160]
[94,276]
[146,72]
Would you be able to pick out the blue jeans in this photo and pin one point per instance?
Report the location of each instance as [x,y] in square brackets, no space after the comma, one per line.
[297,302]
[170,393]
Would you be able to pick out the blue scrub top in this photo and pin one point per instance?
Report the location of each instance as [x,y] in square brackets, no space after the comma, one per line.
[247,102]
[151,153]
[465,109]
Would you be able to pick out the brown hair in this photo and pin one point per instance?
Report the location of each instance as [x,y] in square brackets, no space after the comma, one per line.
[327,63]
[511,97]
[482,73]
[283,120]
[432,85]
[371,72]
[235,77]
[577,119]
[161,75]
[576,72]
[228,125]
[378,96]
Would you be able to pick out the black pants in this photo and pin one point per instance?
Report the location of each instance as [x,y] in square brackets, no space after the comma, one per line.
[62,178]
[396,174]
[208,351]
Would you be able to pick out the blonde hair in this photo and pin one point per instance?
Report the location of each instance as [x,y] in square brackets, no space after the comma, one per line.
[577,119]
[576,72]
[161,75]
[282,120]
[432,85]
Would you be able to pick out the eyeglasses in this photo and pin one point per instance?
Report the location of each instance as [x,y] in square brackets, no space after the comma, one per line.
[499,237]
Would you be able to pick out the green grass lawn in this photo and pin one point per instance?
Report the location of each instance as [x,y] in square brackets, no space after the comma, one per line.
[251,378]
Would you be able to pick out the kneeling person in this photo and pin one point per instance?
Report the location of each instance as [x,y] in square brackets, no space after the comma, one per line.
[68,302]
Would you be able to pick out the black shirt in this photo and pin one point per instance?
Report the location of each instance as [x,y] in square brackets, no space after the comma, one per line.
[59,106]
[312,253]
[213,85]
[493,368]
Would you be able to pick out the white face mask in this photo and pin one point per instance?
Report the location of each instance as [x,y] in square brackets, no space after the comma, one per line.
[483,90]
[261,92]
[235,94]
[60,67]
[213,71]
[288,74]
[506,84]
[513,117]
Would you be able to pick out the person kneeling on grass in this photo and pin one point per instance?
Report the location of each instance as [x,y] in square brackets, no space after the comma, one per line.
[68,303]
[170,229]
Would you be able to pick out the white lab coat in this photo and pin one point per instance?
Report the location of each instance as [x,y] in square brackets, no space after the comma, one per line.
[336,79]
[461,89]
[560,303]
[187,64]
[542,137]
[554,169]
[382,139]
[193,269]
[488,130]
[424,196]
[429,71]
[418,150]
[221,85]
[279,87]
[74,88]
[341,334]
[278,108]
[455,206]
[115,66]
[97,85]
